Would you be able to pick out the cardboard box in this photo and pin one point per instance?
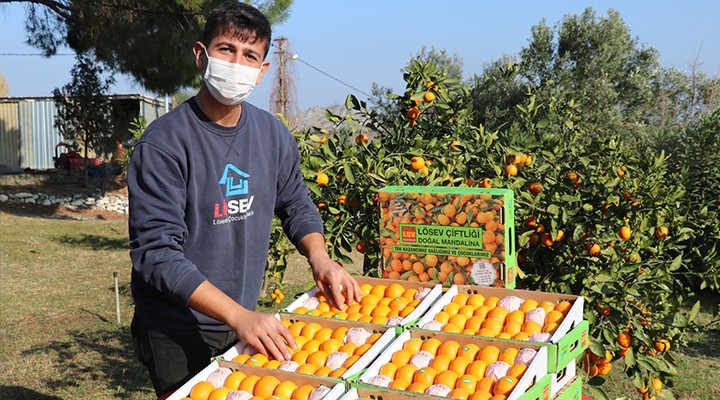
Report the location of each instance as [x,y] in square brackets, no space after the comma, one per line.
[337,388]
[360,365]
[435,291]
[571,391]
[562,378]
[568,341]
[448,235]
[533,384]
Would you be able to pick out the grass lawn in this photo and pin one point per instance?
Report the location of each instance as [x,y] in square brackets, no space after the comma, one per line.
[61,340]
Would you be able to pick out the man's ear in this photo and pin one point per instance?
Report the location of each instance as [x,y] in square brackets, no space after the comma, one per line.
[263,68]
[199,54]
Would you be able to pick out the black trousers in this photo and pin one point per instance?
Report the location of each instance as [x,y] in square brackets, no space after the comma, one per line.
[172,359]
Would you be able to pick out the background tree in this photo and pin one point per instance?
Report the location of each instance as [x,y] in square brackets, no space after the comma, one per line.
[149,40]
[84,111]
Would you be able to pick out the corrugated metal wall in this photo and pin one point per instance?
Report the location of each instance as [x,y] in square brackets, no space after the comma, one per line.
[28,135]
[38,141]
[9,135]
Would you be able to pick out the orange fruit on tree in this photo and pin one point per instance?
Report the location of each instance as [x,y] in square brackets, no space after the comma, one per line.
[511,170]
[362,139]
[417,163]
[413,113]
[662,345]
[535,188]
[624,339]
[429,97]
[201,390]
[624,232]
[595,250]
[661,232]
[604,368]
[546,240]
[322,179]
[657,384]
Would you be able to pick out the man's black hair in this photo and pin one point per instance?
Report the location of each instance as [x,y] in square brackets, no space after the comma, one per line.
[240,21]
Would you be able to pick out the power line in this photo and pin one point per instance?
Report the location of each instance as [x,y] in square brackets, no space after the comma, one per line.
[296,57]
[35,54]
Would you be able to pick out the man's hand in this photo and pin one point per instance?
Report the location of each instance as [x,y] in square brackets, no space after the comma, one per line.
[262,331]
[336,284]
[265,333]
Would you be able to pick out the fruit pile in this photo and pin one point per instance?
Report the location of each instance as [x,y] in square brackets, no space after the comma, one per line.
[379,304]
[321,351]
[449,369]
[224,383]
[482,211]
[508,318]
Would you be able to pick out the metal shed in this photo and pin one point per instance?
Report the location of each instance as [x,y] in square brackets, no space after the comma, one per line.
[27,126]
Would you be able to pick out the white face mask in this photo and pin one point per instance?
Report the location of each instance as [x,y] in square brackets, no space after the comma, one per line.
[229,83]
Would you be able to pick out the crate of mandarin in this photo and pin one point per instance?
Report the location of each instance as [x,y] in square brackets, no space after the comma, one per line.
[328,348]
[457,366]
[383,301]
[448,235]
[548,319]
[231,381]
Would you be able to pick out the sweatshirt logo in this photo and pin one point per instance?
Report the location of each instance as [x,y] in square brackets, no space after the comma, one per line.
[236,183]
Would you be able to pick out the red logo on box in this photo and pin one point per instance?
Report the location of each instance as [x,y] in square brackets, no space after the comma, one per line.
[546,392]
[409,234]
[584,339]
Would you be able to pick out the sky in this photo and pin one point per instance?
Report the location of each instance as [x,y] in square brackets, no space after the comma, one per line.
[344,47]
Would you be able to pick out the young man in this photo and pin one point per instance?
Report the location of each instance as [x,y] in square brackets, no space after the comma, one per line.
[205,181]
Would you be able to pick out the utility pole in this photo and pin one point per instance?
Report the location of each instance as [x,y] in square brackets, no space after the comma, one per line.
[283,98]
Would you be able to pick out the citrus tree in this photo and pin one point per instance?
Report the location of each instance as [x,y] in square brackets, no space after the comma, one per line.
[595,217]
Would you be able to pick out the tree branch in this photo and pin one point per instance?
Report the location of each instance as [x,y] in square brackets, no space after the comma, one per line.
[58,7]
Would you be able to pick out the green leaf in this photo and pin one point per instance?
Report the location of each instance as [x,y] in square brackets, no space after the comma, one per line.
[553,209]
[351,102]
[349,175]
[630,358]
[677,262]
[597,348]
[694,311]
[597,393]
